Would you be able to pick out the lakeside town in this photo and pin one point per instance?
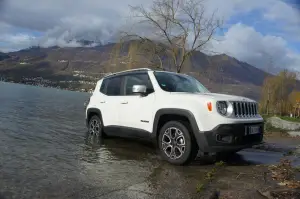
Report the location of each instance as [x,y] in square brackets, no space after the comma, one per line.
[86,84]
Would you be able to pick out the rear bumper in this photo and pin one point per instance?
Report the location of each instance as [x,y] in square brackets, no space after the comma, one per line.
[229,137]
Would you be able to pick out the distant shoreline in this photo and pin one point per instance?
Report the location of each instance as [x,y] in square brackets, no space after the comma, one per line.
[46,86]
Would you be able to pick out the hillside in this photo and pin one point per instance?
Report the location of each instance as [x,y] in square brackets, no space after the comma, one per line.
[220,73]
[3,56]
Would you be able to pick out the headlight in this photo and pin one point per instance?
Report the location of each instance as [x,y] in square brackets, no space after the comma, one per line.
[225,108]
[222,107]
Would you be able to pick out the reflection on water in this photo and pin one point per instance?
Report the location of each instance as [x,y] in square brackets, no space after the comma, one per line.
[43,153]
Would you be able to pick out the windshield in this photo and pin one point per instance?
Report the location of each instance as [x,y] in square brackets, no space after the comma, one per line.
[172,82]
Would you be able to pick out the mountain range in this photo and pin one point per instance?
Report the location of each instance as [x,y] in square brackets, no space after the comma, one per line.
[219,73]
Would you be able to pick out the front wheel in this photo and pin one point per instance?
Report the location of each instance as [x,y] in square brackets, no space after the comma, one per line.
[177,144]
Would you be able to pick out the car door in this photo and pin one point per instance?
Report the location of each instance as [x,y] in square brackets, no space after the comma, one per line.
[110,94]
[136,111]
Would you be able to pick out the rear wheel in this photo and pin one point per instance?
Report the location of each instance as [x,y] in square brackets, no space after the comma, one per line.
[95,129]
[177,144]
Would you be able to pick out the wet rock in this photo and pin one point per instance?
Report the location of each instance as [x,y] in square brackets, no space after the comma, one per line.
[294,133]
[283,124]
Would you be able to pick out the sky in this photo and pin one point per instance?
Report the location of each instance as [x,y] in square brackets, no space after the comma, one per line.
[256,31]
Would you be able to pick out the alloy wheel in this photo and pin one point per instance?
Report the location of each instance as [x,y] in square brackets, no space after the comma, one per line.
[94,130]
[173,143]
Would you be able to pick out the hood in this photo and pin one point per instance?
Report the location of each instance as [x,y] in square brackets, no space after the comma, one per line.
[217,96]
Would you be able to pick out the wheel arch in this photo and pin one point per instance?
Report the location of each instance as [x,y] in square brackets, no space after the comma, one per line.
[174,112]
[183,113]
[91,112]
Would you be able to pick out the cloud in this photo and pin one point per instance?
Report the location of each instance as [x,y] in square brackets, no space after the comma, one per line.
[62,23]
[99,20]
[287,17]
[246,44]
[11,39]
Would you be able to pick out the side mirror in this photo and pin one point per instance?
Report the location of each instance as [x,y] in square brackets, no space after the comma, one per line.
[139,89]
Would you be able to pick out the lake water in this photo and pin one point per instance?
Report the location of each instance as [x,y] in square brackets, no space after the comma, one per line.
[43,153]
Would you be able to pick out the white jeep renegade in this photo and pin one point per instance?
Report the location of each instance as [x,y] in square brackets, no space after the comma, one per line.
[175,111]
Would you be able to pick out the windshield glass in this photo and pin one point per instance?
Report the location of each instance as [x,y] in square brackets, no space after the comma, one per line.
[172,82]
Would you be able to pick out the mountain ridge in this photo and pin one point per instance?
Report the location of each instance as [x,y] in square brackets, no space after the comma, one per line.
[220,73]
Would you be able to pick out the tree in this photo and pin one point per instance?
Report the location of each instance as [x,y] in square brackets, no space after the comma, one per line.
[114,59]
[294,99]
[176,28]
[269,88]
[143,52]
[266,94]
[276,91]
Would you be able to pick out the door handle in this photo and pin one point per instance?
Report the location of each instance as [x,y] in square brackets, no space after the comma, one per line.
[124,102]
[102,102]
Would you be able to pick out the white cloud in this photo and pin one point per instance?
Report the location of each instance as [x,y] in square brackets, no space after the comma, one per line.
[16,42]
[10,40]
[98,19]
[62,21]
[246,44]
[286,16]
[65,20]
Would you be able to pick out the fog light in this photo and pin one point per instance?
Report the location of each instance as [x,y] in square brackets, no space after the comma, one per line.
[224,138]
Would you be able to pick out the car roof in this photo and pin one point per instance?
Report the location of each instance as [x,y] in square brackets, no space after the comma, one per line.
[138,70]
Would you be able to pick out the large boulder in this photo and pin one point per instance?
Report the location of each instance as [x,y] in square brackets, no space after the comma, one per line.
[283,124]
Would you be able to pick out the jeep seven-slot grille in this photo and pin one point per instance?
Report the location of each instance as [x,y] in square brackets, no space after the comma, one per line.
[245,109]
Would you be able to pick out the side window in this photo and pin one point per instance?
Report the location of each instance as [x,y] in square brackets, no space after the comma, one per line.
[113,86]
[103,86]
[137,79]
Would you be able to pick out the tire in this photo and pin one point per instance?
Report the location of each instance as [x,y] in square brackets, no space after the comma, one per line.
[95,130]
[170,146]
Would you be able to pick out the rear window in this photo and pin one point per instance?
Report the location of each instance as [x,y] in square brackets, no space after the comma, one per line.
[111,86]
[103,86]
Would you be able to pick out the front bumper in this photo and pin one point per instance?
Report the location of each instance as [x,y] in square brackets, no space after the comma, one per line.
[230,137]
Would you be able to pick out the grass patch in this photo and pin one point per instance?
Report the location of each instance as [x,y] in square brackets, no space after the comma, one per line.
[290,119]
[286,118]
[200,187]
[209,176]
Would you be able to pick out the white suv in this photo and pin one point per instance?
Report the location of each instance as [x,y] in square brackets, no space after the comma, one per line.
[175,111]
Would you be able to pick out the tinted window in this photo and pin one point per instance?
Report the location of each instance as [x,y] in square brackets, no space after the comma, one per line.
[137,79]
[103,86]
[113,86]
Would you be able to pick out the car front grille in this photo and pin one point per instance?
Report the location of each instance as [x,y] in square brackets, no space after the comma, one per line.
[245,109]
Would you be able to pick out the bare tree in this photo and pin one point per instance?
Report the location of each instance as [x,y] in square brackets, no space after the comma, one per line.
[146,52]
[135,54]
[270,65]
[176,29]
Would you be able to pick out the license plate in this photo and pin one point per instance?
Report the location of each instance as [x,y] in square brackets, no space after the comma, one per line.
[253,130]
